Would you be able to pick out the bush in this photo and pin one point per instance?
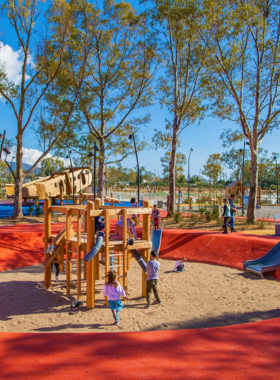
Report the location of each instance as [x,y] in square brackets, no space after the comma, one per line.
[216,213]
[201,211]
[208,216]
[177,216]
[38,210]
[194,219]
[30,210]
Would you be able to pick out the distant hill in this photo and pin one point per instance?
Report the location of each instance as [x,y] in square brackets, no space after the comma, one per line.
[25,167]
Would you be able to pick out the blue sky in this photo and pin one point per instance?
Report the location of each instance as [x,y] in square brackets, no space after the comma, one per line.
[204,139]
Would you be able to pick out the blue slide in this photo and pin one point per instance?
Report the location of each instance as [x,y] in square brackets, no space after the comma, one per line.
[156,239]
[94,250]
[139,259]
[269,262]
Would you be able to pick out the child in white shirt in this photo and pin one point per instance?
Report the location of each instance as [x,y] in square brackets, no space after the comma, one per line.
[114,291]
[180,265]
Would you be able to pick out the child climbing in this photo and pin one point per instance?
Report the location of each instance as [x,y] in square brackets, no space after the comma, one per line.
[50,252]
[152,279]
[155,216]
[114,291]
[226,214]
[180,265]
[118,234]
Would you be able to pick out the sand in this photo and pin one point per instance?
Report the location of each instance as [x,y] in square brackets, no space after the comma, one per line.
[203,296]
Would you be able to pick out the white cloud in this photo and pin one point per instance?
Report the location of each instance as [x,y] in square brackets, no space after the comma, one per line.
[30,156]
[12,61]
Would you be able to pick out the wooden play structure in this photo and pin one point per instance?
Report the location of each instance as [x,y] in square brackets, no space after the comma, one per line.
[236,189]
[71,246]
[57,185]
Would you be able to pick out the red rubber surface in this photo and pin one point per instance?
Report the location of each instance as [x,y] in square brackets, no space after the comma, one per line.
[248,351]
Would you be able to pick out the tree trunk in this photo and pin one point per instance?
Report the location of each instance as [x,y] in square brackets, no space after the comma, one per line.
[101,172]
[19,179]
[251,211]
[172,174]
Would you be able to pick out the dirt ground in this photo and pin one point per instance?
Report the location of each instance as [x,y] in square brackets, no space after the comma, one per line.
[202,296]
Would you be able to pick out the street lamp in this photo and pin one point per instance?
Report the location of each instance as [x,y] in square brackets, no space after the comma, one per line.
[94,167]
[131,137]
[2,144]
[189,173]
[243,165]
[275,158]
[73,181]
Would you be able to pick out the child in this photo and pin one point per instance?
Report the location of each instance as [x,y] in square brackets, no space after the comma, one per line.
[180,265]
[50,251]
[114,291]
[118,234]
[226,214]
[152,279]
[155,216]
[133,202]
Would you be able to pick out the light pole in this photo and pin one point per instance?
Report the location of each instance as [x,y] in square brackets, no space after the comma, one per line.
[275,158]
[2,144]
[131,137]
[189,173]
[73,180]
[94,167]
[243,166]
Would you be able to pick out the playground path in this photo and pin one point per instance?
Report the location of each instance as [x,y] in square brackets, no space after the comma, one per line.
[250,351]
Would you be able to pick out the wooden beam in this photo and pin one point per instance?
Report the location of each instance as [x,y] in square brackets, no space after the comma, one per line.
[90,264]
[125,251]
[79,256]
[47,240]
[106,243]
[68,253]
[146,235]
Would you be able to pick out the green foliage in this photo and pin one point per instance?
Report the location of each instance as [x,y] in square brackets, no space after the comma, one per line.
[193,219]
[215,213]
[30,210]
[213,167]
[177,216]
[208,215]
[52,164]
[179,167]
[201,211]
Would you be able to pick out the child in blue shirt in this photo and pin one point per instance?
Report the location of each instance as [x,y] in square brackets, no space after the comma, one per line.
[152,279]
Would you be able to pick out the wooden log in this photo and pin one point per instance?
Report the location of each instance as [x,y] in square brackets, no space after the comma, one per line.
[146,235]
[79,256]
[125,250]
[90,264]
[68,253]
[106,245]
[47,240]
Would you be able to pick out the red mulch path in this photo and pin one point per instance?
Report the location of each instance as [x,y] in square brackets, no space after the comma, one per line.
[248,351]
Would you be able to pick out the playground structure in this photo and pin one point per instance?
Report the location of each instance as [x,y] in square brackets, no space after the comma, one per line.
[236,189]
[117,253]
[57,185]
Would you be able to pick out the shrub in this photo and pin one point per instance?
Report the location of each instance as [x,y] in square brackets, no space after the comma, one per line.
[177,216]
[201,211]
[208,216]
[30,210]
[38,210]
[216,213]
[194,219]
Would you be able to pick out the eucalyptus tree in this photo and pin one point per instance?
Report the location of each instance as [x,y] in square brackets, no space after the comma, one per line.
[242,38]
[180,87]
[44,41]
[117,85]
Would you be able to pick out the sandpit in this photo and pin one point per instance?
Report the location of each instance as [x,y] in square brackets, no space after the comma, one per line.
[203,296]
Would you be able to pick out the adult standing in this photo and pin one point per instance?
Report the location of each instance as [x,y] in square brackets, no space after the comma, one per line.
[232,211]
